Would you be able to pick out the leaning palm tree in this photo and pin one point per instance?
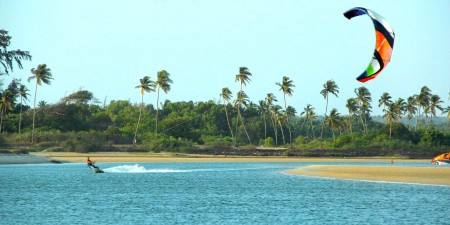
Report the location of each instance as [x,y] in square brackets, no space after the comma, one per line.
[163,82]
[286,87]
[23,93]
[329,87]
[363,99]
[280,119]
[384,100]
[42,74]
[226,96]
[146,85]
[241,99]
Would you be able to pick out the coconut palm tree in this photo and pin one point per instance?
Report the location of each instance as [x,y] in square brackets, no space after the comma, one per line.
[447,110]
[352,110]
[7,57]
[226,96]
[241,99]
[411,108]
[23,93]
[435,103]
[42,74]
[329,87]
[363,99]
[270,99]
[243,76]
[286,86]
[384,100]
[262,108]
[6,103]
[392,113]
[333,120]
[423,99]
[310,116]
[146,85]
[280,119]
[163,82]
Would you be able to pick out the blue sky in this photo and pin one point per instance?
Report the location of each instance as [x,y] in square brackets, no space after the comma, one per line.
[107,46]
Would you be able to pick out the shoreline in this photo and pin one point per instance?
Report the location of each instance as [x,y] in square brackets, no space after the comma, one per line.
[418,175]
[73,157]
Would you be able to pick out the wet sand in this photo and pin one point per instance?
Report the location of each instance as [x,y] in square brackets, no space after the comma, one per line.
[421,175]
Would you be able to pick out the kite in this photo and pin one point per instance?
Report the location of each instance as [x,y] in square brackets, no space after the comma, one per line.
[384,44]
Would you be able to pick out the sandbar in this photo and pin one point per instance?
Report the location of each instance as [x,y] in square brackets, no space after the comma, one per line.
[421,175]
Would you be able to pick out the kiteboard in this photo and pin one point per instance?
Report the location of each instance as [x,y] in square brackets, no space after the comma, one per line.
[97,170]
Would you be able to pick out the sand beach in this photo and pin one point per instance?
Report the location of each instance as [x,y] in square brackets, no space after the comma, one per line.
[421,175]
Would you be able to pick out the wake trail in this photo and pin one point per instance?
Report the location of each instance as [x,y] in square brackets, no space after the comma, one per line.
[141,169]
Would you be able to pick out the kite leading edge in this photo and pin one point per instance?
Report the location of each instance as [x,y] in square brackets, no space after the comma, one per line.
[383,46]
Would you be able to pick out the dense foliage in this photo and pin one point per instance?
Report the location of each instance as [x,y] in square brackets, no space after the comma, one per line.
[78,123]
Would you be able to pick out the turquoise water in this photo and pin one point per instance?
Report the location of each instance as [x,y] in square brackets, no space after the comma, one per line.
[208,193]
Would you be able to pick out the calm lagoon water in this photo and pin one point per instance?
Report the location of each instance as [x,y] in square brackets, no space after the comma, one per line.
[208,193]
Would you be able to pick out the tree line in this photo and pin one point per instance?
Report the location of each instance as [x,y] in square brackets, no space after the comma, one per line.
[234,121]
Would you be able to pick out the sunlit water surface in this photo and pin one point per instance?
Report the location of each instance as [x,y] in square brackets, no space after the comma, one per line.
[208,193]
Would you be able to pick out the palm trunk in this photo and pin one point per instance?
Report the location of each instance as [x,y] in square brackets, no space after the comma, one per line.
[139,120]
[34,114]
[245,129]
[275,130]
[282,133]
[228,120]
[312,129]
[1,117]
[157,111]
[287,120]
[237,125]
[323,121]
[20,114]
[265,126]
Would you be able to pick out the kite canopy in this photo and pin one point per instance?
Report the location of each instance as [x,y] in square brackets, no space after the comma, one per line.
[384,43]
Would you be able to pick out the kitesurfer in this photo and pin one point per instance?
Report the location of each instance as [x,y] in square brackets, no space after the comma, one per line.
[90,163]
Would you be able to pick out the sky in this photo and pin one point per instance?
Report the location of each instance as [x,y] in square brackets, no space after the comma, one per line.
[106,46]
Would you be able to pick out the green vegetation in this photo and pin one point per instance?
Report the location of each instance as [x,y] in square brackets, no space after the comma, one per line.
[233,126]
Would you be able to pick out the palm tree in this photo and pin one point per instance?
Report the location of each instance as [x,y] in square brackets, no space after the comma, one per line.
[163,82]
[6,103]
[280,118]
[352,109]
[7,57]
[42,74]
[410,108]
[329,87]
[333,121]
[310,116]
[423,99]
[262,108]
[447,110]
[146,85]
[269,100]
[241,99]
[243,77]
[226,96]
[393,113]
[363,99]
[435,103]
[286,87]
[384,100]
[23,93]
